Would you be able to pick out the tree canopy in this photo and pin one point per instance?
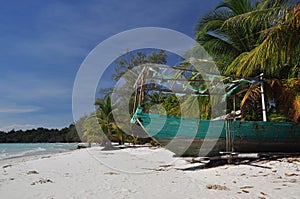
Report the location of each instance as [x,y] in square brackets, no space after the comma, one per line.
[247,38]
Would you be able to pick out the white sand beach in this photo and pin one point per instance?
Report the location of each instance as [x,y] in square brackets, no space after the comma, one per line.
[143,172]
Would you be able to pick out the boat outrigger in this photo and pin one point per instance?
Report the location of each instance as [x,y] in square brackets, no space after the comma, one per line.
[189,134]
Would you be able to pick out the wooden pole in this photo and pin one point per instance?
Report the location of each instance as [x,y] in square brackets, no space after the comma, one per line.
[264,111]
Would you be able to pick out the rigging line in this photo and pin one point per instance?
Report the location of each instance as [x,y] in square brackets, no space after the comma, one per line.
[135,98]
[209,73]
[141,89]
[138,78]
[179,80]
[222,75]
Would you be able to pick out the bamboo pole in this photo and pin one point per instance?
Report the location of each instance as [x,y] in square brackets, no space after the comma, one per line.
[264,112]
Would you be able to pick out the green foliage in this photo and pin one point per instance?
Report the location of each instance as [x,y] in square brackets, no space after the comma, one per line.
[278,54]
[154,143]
[223,41]
[277,117]
[92,131]
[171,105]
[247,38]
[130,60]
[41,135]
[104,114]
[136,140]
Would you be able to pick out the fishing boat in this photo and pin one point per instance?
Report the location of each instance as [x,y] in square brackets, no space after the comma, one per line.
[193,136]
[209,138]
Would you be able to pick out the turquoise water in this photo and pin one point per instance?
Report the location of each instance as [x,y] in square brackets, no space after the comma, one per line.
[11,150]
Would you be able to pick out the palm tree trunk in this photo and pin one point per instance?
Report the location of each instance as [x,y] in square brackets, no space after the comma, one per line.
[108,135]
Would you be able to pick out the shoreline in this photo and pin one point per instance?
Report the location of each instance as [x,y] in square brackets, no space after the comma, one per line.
[43,150]
[134,172]
[30,157]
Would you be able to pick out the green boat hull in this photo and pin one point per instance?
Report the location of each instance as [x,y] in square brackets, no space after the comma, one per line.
[194,137]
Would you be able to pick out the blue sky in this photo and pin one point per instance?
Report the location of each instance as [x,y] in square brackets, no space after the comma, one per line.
[43,44]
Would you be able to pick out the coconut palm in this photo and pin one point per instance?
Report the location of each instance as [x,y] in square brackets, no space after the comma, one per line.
[247,39]
[223,42]
[278,55]
[92,132]
[105,117]
[241,32]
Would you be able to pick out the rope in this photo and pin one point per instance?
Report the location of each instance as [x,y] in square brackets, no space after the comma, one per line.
[134,104]
[140,97]
[229,139]
[229,135]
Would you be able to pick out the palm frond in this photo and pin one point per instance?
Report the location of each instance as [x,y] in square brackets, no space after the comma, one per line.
[280,49]
[238,7]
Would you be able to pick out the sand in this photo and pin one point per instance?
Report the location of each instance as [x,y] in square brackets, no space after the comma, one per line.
[143,172]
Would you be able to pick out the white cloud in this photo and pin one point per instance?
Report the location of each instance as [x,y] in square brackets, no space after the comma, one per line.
[19,110]
[17,127]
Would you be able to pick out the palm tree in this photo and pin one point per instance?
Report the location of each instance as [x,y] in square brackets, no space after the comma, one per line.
[239,33]
[105,117]
[278,55]
[222,41]
[247,39]
[91,129]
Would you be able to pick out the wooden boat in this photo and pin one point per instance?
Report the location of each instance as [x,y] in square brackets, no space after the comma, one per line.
[194,137]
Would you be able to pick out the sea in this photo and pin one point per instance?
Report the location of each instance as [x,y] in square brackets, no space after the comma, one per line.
[13,150]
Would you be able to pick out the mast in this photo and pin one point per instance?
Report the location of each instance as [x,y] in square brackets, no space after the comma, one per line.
[264,112]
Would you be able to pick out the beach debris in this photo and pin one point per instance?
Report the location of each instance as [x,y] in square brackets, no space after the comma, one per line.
[161,169]
[43,157]
[111,173]
[197,159]
[283,181]
[245,191]
[42,181]
[166,165]
[32,172]
[6,166]
[247,187]
[290,174]
[263,193]
[291,160]
[217,187]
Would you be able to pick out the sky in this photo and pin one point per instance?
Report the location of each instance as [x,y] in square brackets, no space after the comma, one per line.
[43,44]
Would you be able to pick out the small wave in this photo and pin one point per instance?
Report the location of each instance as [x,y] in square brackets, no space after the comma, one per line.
[3,156]
[21,153]
[19,150]
[34,150]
